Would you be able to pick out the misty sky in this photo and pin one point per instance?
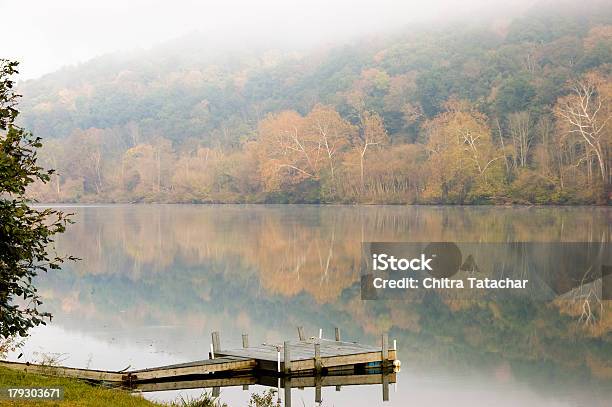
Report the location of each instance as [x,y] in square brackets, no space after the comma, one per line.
[46,35]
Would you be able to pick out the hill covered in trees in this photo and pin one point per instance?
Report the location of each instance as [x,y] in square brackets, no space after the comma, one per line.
[510,110]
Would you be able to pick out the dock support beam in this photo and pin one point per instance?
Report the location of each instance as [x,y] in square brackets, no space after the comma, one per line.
[287,358]
[245,344]
[287,392]
[385,349]
[338,338]
[318,397]
[385,386]
[317,358]
[216,345]
[216,342]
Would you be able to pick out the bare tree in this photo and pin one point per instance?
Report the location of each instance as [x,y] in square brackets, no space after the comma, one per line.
[471,140]
[372,133]
[520,131]
[332,131]
[586,113]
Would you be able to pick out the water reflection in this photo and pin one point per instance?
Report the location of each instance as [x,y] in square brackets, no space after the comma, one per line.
[156,280]
[282,386]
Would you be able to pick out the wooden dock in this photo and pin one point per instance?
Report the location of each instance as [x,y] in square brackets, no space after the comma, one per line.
[309,355]
[313,362]
[304,357]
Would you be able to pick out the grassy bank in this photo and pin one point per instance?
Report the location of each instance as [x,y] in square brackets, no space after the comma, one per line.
[76,392]
[81,394]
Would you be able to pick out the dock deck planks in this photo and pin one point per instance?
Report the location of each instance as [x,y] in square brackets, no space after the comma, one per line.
[333,353]
[230,363]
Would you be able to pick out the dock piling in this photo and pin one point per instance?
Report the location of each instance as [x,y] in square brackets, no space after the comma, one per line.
[317,357]
[301,333]
[385,387]
[245,344]
[288,392]
[287,357]
[216,342]
[318,397]
[385,349]
[337,332]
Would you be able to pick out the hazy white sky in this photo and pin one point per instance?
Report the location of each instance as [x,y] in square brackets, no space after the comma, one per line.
[46,35]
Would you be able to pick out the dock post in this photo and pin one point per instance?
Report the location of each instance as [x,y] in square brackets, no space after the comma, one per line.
[301,333]
[318,397]
[216,342]
[385,386]
[287,392]
[320,333]
[317,358]
[216,347]
[245,344]
[385,349]
[287,358]
[337,334]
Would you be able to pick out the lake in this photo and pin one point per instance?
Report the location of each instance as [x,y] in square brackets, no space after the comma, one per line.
[155,280]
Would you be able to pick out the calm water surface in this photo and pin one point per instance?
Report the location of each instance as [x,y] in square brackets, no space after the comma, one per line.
[156,280]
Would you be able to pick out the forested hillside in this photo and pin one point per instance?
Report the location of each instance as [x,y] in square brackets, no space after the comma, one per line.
[511,110]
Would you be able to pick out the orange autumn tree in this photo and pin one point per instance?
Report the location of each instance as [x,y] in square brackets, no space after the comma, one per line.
[333,134]
[293,148]
[288,153]
[463,161]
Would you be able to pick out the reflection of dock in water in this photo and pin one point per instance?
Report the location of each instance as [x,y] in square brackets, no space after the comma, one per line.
[313,362]
[337,379]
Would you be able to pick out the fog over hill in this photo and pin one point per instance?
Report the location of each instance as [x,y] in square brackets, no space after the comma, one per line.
[213,118]
[69,32]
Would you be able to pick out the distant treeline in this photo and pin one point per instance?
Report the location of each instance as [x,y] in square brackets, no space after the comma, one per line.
[514,111]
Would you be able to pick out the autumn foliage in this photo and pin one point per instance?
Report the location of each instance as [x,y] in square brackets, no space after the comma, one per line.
[489,115]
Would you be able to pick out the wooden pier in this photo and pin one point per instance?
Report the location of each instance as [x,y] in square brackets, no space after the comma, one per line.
[313,362]
[309,355]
